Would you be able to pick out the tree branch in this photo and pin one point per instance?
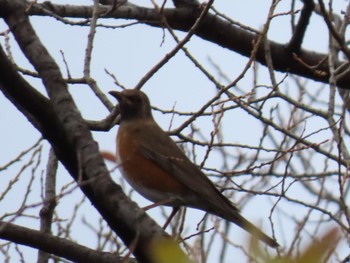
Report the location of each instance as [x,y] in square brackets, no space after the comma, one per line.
[299,32]
[56,245]
[60,122]
[307,63]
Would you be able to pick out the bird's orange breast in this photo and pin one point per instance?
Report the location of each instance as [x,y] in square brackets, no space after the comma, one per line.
[143,174]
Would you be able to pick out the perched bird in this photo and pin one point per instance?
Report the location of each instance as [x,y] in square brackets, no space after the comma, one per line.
[155,166]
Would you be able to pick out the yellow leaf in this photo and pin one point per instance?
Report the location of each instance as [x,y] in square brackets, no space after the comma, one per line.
[166,250]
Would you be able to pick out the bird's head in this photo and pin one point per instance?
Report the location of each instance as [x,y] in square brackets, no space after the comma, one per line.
[133,104]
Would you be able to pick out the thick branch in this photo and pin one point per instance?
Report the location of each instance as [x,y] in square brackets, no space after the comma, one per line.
[299,32]
[307,63]
[60,122]
[55,245]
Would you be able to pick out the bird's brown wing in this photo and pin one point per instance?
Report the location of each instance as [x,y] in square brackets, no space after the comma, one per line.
[159,147]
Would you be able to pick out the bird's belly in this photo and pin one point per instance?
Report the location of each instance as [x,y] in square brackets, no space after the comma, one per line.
[147,178]
[152,182]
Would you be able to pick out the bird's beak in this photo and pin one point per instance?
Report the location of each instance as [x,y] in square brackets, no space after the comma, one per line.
[116,94]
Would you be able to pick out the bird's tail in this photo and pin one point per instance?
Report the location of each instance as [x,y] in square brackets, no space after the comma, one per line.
[239,220]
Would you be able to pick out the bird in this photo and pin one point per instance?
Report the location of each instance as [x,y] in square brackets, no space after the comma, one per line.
[153,164]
